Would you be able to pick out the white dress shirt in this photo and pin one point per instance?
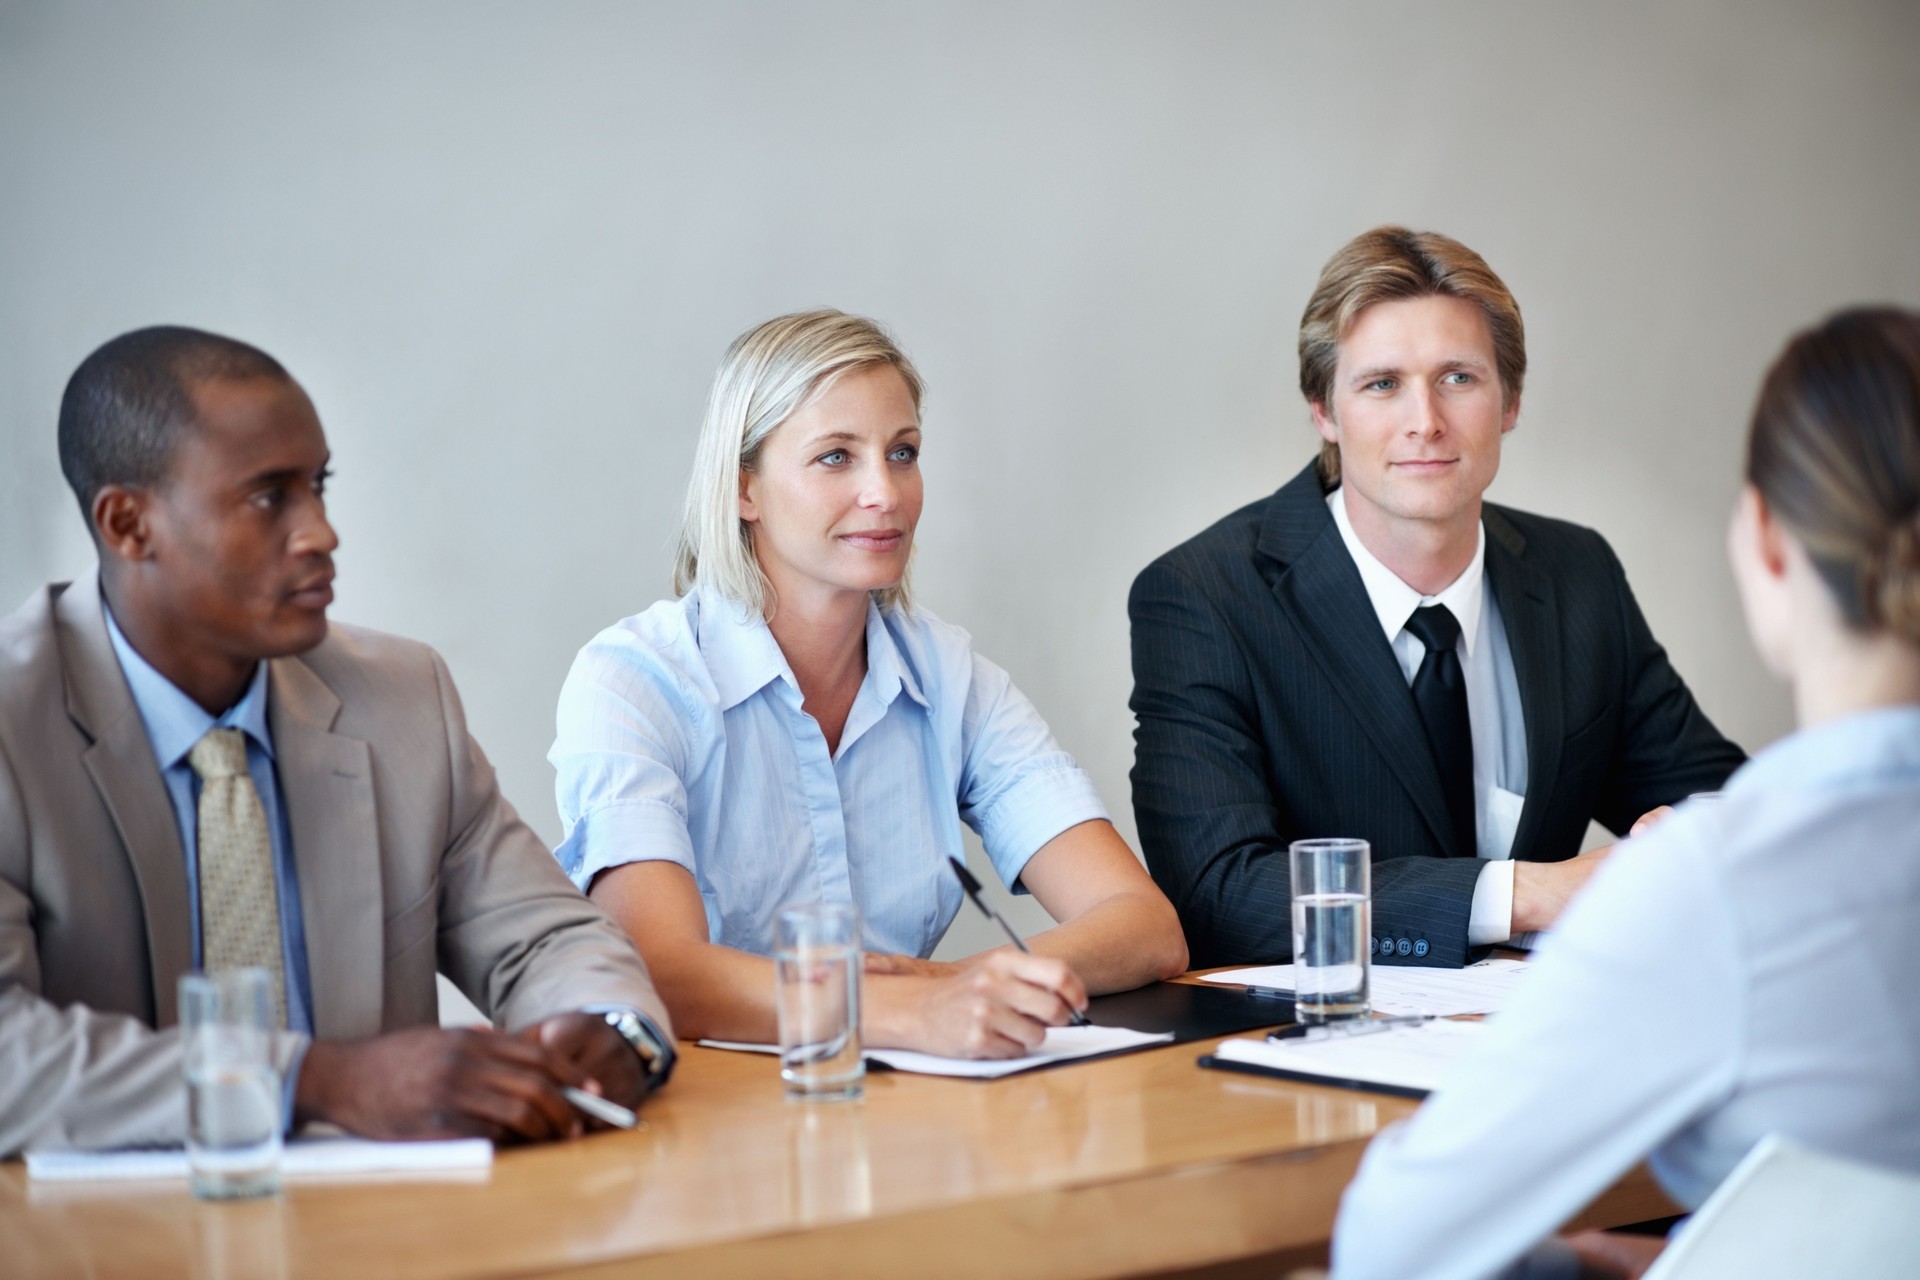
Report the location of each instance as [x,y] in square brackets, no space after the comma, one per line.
[1493,709]
[1745,968]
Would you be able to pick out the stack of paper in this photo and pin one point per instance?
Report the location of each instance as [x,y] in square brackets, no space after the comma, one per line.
[1411,989]
[303,1157]
[1061,1044]
[1405,1060]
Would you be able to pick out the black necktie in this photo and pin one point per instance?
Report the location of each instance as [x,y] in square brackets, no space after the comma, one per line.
[1440,692]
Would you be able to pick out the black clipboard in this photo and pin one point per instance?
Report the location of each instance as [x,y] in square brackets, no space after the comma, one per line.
[1191,1011]
[1308,1077]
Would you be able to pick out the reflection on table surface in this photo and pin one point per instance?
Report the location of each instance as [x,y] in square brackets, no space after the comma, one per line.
[1117,1166]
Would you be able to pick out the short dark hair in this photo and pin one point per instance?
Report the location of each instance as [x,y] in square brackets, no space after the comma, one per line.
[127,404]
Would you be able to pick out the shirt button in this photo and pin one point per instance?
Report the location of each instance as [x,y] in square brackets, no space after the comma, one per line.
[1404,947]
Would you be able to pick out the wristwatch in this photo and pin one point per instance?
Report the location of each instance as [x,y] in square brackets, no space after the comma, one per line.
[656,1054]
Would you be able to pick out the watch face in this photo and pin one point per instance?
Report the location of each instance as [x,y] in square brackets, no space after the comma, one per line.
[658,1057]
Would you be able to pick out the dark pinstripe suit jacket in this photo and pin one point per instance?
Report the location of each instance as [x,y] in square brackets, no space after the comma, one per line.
[1270,708]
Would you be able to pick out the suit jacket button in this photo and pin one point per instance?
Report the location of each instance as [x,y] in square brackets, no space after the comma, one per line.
[1404,947]
[1373,946]
[1420,947]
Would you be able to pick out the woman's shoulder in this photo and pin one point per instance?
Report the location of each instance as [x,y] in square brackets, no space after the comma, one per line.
[659,647]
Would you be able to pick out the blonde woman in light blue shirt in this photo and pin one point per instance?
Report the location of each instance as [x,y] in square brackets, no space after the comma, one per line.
[792,728]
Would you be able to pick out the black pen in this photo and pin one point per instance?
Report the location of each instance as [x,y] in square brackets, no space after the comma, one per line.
[972,887]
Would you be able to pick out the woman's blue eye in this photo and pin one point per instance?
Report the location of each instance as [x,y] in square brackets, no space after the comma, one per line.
[833,457]
[906,453]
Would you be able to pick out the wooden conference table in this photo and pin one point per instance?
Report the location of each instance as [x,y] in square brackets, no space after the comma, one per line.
[1139,1165]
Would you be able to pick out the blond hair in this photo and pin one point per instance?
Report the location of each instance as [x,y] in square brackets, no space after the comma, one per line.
[770,373]
[1387,264]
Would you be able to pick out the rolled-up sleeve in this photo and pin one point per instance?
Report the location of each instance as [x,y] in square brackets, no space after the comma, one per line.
[620,752]
[1018,789]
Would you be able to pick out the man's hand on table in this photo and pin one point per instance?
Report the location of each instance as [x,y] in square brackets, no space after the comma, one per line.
[613,1069]
[1542,890]
[433,1082]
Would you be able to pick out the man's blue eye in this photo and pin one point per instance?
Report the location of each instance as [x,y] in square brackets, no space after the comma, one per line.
[1380,384]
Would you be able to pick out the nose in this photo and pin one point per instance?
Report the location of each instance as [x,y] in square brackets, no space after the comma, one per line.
[314,534]
[1423,413]
[879,490]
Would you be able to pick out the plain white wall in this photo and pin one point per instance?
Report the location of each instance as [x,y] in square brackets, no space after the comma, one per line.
[504,246]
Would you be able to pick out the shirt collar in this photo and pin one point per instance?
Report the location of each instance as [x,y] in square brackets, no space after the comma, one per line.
[1394,601]
[743,658]
[1883,744]
[175,721]
[887,668]
[739,651]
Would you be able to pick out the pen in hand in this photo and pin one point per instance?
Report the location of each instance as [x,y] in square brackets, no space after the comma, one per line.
[603,1109]
[972,886]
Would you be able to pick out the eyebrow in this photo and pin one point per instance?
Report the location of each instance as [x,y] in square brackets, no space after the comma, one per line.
[1371,372]
[840,437]
[280,475]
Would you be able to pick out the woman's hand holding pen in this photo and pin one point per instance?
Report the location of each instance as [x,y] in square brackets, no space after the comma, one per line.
[996,1005]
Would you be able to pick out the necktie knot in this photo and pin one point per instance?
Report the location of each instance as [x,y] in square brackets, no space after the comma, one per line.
[222,753]
[1435,626]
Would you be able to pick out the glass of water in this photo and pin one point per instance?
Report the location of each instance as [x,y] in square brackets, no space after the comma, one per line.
[233,1088]
[816,953]
[1332,920]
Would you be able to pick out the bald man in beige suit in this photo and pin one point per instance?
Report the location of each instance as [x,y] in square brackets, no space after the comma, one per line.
[200,464]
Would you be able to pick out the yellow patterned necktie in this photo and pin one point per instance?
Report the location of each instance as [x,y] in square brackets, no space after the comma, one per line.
[239,901]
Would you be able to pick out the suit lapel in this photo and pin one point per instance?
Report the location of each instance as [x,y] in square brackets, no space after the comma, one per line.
[326,780]
[1321,593]
[1532,619]
[123,770]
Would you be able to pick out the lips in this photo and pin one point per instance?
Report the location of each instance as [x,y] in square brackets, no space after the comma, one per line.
[874,539]
[315,593]
[1425,466]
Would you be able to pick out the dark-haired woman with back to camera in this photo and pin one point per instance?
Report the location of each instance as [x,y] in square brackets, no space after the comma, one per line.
[1747,967]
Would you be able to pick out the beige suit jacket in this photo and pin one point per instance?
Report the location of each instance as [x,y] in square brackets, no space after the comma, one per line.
[409,861]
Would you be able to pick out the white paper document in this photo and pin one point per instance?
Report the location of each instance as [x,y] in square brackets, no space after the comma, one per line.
[1061,1044]
[1412,989]
[1415,1057]
[302,1157]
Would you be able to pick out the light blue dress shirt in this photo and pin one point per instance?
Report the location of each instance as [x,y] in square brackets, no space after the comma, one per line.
[681,738]
[175,722]
[1745,968]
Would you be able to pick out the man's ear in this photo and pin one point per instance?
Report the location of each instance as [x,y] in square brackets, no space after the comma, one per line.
[1510,415]
[121,521]
[1323,422]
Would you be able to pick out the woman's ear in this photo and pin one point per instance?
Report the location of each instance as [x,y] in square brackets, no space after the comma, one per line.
[1771,536]
[748,511]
